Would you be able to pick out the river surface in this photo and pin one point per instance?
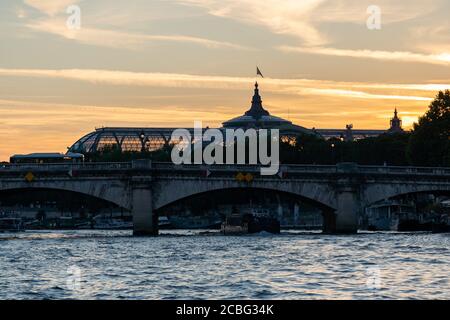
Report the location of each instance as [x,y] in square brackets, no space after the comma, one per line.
[197,265]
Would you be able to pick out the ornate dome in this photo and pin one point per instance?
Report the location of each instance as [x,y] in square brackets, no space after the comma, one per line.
[258,117]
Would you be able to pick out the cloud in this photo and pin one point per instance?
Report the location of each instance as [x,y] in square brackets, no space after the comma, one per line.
[45,114]
[21,13]
[400,56]
[290,17]
[51,7]
[365,95]
[56,18]
[355,11]
[281,86]
[118,39]
[303,19]
[431,38]
[418,87]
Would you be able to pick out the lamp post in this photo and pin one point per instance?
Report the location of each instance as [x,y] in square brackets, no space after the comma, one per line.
[333,153]
[142,137]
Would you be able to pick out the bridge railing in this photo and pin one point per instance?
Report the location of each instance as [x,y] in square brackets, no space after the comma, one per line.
[65,166]
[326,169]
[164,166]
[405,170]
[194,168]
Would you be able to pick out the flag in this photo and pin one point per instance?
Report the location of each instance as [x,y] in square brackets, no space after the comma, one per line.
[258,72]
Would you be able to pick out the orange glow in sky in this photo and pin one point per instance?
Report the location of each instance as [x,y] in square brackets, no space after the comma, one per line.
[169,63]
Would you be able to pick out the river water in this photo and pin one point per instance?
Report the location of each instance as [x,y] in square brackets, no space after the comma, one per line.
[197,265]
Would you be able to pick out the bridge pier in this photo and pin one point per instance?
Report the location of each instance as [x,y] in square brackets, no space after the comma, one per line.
[346,214]
[329,221]
[145,222]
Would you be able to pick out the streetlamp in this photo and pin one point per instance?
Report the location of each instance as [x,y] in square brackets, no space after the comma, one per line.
[142,137]
[332,153]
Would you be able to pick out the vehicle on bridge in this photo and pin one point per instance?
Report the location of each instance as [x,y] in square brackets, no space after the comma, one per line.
[41,158]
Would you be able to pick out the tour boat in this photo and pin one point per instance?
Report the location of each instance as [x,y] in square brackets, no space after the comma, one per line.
[392,215]
[257,221]
[234,225]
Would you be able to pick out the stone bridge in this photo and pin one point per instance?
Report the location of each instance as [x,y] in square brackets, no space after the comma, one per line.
[143,187]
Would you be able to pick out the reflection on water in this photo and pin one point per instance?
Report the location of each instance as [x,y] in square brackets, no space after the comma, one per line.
[204,265]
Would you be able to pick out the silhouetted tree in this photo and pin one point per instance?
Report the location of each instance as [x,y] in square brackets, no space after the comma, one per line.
[429,144]
[388,149]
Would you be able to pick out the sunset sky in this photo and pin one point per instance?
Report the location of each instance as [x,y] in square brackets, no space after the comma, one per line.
[167,63]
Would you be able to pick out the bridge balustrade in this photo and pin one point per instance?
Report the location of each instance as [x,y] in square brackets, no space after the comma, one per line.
[194,168]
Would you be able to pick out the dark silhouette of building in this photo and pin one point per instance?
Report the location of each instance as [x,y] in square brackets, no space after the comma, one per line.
[257,117]
[396,124]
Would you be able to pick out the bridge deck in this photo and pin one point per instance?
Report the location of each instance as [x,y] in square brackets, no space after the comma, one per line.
[121,167]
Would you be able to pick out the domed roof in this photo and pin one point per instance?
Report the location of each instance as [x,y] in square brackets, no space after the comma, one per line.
[258,117]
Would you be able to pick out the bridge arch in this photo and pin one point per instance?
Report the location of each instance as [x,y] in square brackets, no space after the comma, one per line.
[315,197]
[116,195]
[62,199]
[171,191]
[229,191]
[376,193]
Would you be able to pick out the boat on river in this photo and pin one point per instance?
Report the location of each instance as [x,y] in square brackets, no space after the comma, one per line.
[393,215]
[255,222]
[104,222]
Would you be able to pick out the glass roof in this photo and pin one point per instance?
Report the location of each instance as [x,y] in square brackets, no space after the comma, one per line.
[124,139]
